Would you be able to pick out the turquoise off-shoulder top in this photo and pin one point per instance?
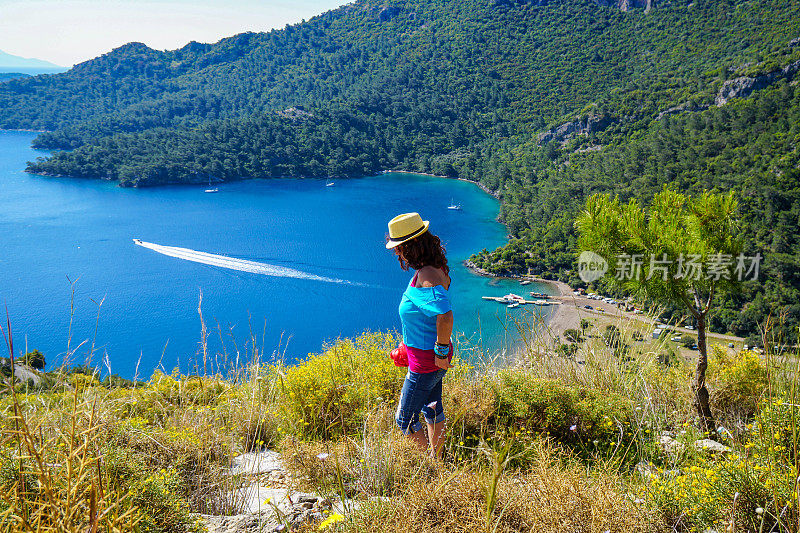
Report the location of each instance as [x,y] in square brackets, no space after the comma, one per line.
[418,309]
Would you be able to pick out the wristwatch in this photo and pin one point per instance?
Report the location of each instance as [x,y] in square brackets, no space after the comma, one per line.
[442,351]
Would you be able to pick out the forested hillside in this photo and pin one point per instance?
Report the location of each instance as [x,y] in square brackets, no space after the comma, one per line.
[543,102]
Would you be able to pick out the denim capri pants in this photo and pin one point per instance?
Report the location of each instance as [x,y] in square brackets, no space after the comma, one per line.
[421,392]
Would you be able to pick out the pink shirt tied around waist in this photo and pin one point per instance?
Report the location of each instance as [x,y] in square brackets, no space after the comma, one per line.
[423,361]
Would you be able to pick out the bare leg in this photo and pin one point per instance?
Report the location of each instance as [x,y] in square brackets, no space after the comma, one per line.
[435,432]
[419,439]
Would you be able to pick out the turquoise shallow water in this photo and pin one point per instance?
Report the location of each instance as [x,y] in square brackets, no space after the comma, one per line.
[54,230]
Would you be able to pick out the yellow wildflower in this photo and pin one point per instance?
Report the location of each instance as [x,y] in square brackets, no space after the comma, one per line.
[332,519]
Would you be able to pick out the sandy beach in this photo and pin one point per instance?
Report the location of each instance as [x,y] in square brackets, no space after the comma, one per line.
[571,310]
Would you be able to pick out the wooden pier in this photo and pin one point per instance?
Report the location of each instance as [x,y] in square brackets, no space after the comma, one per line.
[503,300]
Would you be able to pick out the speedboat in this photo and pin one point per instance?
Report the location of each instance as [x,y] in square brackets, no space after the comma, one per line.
[329,183]
[212,190]
[512,306]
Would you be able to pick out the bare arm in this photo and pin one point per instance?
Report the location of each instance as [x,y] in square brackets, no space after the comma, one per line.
[444,327]
[430,277]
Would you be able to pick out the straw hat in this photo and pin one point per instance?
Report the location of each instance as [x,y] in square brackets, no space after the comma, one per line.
[405,227]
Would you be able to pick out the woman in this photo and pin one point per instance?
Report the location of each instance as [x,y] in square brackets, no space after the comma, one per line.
[427,321]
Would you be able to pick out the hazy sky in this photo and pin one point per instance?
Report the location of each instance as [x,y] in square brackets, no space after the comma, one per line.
[66,32]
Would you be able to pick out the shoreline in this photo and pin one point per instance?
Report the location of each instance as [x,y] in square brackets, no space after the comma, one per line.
[25,131]
[564,317]
[481,186]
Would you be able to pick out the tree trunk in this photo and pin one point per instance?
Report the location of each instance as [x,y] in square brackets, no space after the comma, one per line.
[699,382]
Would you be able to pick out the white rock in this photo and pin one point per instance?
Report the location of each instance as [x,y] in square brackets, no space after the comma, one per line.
[670,445]
[711,446]
[257,463]
[257,498]
[242,523]
[645,469]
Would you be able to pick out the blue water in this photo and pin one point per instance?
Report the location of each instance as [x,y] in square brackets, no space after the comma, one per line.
[60,235]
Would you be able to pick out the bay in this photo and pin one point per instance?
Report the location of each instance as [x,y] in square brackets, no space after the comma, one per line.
[71,275]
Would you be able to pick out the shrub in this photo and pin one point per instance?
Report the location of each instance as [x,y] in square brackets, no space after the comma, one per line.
[668,357]
[567,350]
[586,419]
[738,383]
[81,381]
[687,341]
[611,336]
[330,393]
[34,359]
[724,493]
[573,335]
[160,504]
[57,483]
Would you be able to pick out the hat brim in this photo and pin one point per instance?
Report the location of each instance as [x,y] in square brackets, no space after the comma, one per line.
[394,243]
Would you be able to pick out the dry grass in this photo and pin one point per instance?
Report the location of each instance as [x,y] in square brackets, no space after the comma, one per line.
[51,478]
[548,496]
[381,462]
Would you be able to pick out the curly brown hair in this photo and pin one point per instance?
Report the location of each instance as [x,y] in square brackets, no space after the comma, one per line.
[422,251]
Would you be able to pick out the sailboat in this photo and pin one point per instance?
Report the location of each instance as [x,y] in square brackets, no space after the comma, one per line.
[210,188]
[453,206]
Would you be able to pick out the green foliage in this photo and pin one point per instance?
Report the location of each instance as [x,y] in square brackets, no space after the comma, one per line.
[567,350]
[674,227]
[162,508]
[612,336]
[740,382]
[702,495]
[34,359]
[573,335]
[753,487]
[584,419]
[166,446]
[330,393]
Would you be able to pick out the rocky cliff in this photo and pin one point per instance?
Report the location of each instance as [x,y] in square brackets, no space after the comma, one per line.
[625,5]
[567,130]
[744,86]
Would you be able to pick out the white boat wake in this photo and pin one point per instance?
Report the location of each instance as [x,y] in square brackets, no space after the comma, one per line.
[233,263]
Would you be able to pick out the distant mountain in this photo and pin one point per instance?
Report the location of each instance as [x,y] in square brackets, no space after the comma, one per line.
[31,66]
[8,76]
